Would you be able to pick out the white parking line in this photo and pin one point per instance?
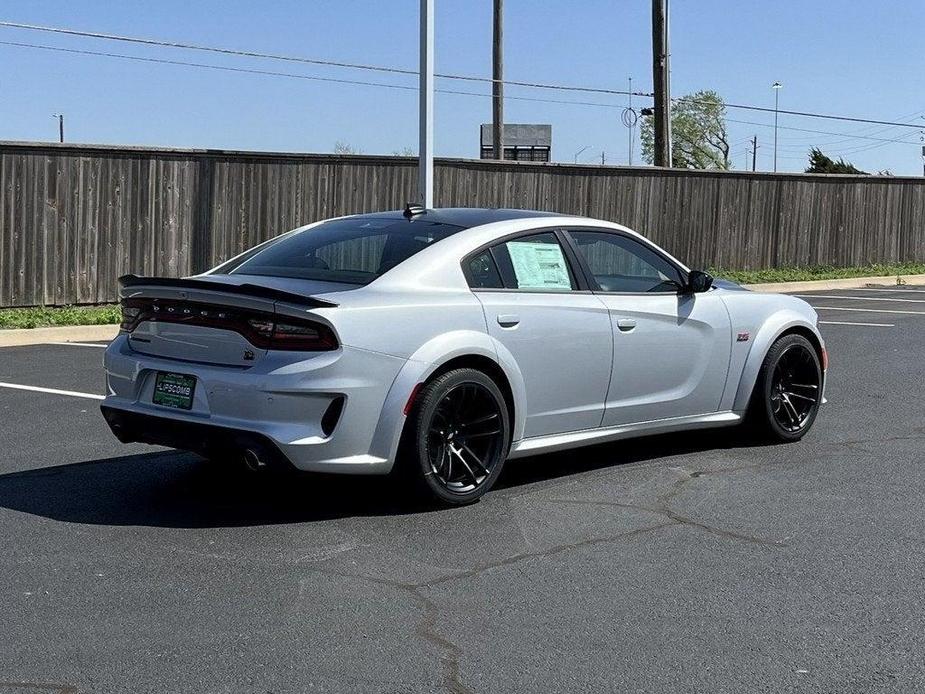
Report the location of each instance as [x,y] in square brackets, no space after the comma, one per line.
[53,391]
[860,298]
[869,310]
[884,289]
[842,322]
[78,344]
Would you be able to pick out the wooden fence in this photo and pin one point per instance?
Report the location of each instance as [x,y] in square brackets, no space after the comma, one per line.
[73,217]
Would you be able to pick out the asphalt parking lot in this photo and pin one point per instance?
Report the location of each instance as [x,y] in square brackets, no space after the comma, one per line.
[682,563]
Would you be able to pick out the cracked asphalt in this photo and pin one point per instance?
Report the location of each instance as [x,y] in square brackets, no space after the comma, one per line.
[693,562]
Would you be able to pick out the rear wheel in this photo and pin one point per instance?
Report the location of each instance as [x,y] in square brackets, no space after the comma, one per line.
[459,436]
[788,391]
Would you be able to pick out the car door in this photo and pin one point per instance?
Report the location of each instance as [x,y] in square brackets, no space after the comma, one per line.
[671,346]
[539,310]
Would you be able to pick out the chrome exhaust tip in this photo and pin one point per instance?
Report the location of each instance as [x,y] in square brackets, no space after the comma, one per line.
[254,461]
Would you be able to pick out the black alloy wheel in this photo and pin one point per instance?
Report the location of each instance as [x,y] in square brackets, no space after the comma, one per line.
[461,435]
[789,388]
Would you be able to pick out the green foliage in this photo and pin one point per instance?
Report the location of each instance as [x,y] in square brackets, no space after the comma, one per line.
[820,163]
[698,133]
[818,272]
[41,317]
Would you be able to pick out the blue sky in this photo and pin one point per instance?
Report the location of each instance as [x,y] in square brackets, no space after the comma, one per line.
[853,58]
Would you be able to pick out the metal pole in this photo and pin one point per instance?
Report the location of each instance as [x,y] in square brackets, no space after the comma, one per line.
[426,103]
[776,87]
[660,84]
[670,152]
[61,127]
[632,126]
[497,85]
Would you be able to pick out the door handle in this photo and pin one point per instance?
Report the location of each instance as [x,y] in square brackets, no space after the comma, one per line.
[626,324]
[508,320]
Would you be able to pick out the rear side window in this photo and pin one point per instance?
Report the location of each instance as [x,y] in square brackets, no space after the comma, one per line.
[482,272]
[536,262]
[354,251]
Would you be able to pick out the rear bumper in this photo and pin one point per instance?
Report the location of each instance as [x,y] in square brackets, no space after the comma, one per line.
[206,439]
[280,405]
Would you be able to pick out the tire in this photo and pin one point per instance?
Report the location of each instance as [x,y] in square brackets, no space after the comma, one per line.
[788,390]
[457,437]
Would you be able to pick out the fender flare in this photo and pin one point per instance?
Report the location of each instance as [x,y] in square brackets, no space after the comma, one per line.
[778,324]
[428,359]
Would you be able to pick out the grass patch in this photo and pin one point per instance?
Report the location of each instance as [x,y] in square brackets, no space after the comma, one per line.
[818,272]
[42,317]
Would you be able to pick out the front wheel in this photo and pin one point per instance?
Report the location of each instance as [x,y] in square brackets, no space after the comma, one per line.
[459,436]
[788,390]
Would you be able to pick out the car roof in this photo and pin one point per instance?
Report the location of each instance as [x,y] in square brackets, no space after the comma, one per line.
[464,217]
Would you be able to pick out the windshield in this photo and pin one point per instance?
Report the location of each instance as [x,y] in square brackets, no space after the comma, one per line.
[353,250]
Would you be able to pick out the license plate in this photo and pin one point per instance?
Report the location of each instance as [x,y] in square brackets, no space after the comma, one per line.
[174,390]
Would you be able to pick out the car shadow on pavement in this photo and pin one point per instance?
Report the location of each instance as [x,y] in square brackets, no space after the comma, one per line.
[179,490]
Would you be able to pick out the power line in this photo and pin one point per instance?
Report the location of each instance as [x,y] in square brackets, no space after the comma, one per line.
[300,59]
[274,73]
[805,114]
[819,132]
[404,71]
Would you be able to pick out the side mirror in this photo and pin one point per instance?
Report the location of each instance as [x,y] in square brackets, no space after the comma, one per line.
[699,281]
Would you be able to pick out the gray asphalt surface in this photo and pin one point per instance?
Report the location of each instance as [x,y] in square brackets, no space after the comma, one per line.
[683,563]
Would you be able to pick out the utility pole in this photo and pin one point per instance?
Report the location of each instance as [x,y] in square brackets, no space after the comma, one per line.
[602,157]
[776,87]
[497,84]
[60,117]
[660,82]
[426,107]
[754,152]
[631,127]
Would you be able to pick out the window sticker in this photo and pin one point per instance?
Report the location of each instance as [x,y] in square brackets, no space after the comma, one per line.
[539,265]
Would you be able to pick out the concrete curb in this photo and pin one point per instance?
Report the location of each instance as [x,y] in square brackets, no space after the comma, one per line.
[69,333]
[851,283]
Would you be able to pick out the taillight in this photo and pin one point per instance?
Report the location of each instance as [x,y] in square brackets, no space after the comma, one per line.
[130,312]
[261,329]
[302,335]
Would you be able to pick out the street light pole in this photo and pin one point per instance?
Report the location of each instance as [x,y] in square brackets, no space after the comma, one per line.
[60,117]
[578,153]
[776,87]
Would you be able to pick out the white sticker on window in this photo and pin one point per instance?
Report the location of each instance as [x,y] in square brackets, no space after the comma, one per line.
[539,265]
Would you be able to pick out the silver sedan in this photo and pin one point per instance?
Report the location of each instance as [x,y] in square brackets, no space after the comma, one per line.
[436,344]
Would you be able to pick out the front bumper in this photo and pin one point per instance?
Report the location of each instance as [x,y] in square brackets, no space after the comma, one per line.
[279,404]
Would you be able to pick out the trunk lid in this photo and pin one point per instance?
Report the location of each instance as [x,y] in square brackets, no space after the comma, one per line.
[213,319]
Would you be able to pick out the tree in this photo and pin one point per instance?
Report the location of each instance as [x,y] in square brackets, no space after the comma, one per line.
[345,148]
[820,163]
[404,152]
[698,133]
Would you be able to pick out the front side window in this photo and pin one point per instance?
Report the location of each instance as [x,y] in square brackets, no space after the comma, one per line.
[621,264]
[353,251]
[535,262]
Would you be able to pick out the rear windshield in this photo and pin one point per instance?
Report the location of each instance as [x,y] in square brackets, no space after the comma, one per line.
[355,251]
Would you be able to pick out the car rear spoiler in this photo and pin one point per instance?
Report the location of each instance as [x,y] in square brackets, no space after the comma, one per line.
[254,290]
